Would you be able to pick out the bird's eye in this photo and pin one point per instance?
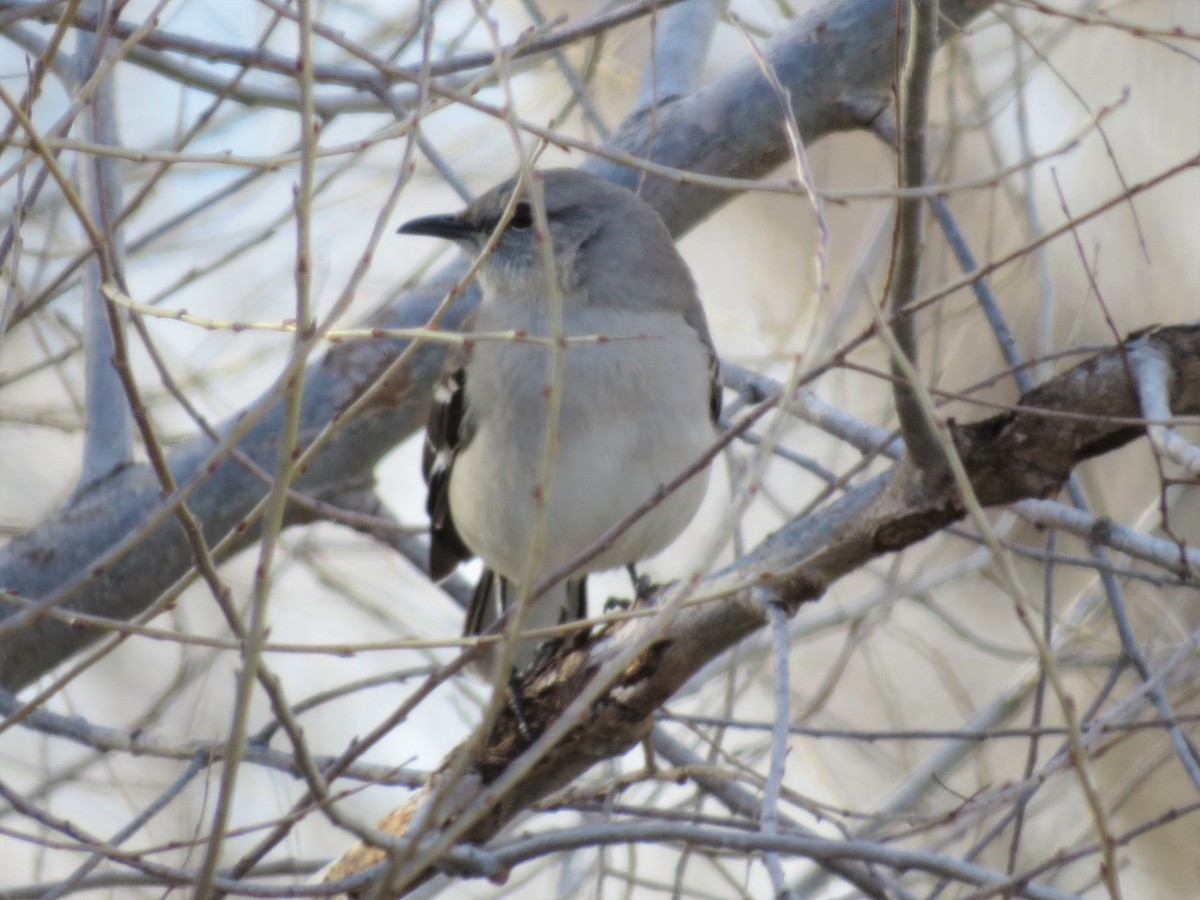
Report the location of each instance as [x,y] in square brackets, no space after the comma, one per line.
[522,217]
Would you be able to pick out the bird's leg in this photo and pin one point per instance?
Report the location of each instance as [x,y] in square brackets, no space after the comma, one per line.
[642,585]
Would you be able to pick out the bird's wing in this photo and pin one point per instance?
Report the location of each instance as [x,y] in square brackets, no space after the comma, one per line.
[693,314]
[450,429]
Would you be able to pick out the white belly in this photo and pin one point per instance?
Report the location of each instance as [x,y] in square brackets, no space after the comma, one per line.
[629,422]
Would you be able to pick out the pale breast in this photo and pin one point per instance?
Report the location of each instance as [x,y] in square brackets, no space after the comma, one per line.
[633,415]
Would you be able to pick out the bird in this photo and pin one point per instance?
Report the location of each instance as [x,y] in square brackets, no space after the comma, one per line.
[639,401]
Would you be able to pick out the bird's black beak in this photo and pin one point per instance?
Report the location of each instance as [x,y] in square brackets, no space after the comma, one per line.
[452,228]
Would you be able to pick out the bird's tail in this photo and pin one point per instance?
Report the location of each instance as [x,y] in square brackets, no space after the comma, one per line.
[565,602]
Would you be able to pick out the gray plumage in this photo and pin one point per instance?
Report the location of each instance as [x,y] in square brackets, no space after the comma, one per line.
[635,410]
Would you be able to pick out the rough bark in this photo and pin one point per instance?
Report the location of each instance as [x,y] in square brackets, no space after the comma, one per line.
[1008,457]
[112,551]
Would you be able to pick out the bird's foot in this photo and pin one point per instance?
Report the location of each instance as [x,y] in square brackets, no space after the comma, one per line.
[616,604]
[643,587]
[543,654]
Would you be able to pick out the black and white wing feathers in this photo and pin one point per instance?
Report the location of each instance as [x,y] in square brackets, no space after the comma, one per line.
[449,430]
[694,316]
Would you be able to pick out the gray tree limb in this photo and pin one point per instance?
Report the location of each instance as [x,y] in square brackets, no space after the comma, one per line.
[1011,456]
[108,439]
[114,549]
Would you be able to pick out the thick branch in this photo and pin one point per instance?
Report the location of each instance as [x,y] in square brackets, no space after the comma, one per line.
[909,248]
[1080,414]
[834,62]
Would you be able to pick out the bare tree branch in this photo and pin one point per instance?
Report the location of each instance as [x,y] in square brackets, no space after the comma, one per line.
[682,35]
[92,554]
[1092,676]
[905,274]
[1029,453]
[108,444]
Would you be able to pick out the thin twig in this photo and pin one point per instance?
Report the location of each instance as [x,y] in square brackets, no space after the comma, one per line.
[779,746]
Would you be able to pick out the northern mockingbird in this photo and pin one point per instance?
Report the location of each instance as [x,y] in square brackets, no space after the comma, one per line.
[636,408]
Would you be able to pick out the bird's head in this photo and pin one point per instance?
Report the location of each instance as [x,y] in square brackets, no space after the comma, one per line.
[593,227]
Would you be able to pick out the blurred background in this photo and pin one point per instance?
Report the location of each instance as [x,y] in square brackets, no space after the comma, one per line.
[1040,113]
